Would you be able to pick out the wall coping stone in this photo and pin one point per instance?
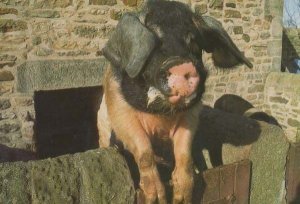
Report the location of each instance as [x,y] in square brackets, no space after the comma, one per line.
[59,74]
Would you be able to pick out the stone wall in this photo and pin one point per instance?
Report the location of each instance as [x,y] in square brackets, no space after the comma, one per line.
[47,30]
[68,30]
[255,27]
[282,100]
[290,48]
[85,178]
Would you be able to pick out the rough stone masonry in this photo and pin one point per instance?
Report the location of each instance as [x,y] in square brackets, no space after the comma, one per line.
[78,29]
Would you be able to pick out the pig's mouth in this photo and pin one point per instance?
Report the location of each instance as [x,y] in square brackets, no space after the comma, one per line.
[158,101]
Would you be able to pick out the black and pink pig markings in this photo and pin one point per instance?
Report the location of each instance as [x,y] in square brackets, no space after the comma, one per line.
[153,88]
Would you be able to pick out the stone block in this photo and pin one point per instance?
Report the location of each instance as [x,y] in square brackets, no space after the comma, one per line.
[59,74]
[6,75]
[246,38]
[86,31]
[115,14]
[270,168]
[293,122]
[4,104]
[7,126]
[6,88]
[251,5]
[36,40]
[230,5]
[201,9]
[278,99]
[16,2]
[274,48]
[256,88]
[276,26]
[47,4]
[9,25]
[232,14]
[8,60]
[257,12]
[215,14]
[103,2]
[43,51]
[42,13]
[74,53]
[4,11]
[27,130]
[238,30]
[7,115]
[98,176]
[265,35]
[216,4]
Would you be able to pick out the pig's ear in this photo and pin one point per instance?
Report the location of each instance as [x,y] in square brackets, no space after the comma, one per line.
[130,45]
[214,39]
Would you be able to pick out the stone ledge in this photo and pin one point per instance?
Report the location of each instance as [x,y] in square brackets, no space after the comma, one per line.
[97,176]
[59,74]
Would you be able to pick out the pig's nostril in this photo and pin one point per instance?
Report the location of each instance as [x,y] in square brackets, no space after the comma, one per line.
[168,74]
[187,76]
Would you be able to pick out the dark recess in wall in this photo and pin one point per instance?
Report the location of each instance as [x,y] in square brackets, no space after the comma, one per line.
[66,120]
[289,53]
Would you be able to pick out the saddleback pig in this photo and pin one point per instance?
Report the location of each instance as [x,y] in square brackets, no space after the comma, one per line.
[153,88]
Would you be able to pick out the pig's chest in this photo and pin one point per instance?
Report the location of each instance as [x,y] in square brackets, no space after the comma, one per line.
[159,127]
[160,130]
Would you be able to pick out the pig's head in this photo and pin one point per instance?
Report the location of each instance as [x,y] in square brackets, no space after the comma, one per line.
[157,55]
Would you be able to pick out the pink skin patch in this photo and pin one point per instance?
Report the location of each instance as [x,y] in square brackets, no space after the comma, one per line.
[183,81]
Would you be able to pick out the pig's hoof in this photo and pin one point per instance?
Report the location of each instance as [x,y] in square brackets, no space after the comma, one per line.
[152,189]
[183,183]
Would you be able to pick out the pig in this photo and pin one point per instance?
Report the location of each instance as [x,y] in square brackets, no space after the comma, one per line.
[153,88]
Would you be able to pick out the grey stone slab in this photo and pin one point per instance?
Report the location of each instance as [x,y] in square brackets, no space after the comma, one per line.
[95,176]
[59,74]
[268,156]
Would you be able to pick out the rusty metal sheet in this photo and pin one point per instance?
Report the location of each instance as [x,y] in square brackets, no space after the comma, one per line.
[226,184]
[293,174]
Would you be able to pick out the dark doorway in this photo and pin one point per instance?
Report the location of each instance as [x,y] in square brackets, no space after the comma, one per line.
[66,120]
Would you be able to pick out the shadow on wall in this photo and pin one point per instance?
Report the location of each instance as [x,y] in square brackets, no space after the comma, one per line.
[229,122]
[224,124]
[289,53]
[237,105]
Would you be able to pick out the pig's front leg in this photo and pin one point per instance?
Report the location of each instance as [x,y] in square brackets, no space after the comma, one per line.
[183,174]
[138,143]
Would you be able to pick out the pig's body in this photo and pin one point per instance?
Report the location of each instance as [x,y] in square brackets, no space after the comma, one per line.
[152,90]
[144,129]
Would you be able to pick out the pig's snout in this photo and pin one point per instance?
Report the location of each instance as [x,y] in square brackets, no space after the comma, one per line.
[183,81]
